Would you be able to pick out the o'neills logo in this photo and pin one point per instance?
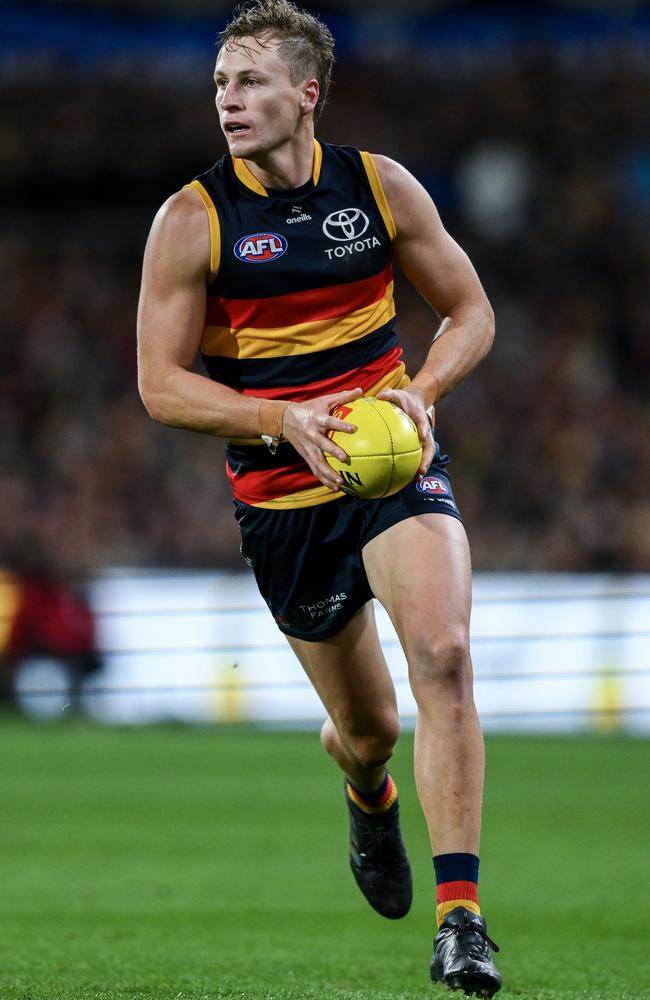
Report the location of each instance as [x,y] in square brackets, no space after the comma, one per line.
[260,248]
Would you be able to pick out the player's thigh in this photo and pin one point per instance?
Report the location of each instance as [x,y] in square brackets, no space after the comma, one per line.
[350,675]
[420,570]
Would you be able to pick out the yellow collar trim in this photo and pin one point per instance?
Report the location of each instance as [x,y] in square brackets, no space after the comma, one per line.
[318,162]
[249,180]
[247,177]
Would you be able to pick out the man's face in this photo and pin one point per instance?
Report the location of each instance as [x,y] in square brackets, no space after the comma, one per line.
[259,108]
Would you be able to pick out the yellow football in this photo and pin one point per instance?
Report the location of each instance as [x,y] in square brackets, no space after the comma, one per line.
[384,453]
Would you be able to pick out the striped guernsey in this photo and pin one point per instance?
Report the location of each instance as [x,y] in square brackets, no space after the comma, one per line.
[299,302]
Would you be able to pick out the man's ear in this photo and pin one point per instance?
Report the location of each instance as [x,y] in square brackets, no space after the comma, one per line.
[311,93]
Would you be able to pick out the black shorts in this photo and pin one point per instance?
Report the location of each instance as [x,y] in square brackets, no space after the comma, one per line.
[307,561]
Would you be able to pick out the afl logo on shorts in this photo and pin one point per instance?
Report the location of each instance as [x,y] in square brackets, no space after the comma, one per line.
[260,248]
[432,486]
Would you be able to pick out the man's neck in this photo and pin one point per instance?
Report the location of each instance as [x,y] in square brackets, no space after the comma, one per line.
[288,167]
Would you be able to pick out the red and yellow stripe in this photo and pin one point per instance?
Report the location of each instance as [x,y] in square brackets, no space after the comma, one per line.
[381,805]
[299,323]
[449,895]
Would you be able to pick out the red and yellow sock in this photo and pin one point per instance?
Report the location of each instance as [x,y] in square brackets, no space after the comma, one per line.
[456,883]
[374,803]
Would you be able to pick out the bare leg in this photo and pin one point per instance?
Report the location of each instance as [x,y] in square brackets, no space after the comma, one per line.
[350,675]
[364,777]
[429,598]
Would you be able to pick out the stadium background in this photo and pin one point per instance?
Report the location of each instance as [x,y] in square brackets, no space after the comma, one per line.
[529,125]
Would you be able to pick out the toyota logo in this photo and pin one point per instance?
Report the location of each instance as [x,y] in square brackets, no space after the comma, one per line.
[347,224]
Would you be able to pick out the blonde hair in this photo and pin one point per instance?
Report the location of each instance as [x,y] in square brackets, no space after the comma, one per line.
[306,44]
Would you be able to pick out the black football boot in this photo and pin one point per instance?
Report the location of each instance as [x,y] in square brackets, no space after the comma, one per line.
[462,958]
[378,860]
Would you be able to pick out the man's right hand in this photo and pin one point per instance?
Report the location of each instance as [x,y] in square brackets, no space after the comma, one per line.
[306,426]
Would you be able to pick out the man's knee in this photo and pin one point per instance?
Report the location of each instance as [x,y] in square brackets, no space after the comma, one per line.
[374,749]
[442,661]
[372,744]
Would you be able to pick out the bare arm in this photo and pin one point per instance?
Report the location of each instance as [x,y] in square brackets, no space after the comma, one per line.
[171,318]
[443,274]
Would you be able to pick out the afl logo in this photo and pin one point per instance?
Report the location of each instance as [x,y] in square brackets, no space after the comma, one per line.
[260,248]
[347,224]
[430,485]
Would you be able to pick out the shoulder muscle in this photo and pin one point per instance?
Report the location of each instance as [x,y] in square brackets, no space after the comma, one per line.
[178,248]
[410,204]
[428,256]
[171,311]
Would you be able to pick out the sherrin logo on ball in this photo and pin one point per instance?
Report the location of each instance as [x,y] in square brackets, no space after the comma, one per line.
[259,248]
[384,453]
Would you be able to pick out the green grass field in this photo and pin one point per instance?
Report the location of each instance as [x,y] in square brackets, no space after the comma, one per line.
[193,864]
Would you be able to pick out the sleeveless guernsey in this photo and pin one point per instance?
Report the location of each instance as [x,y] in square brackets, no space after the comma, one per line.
[299,302]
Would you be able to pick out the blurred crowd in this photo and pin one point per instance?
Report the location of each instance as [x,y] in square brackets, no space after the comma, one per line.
[539,161]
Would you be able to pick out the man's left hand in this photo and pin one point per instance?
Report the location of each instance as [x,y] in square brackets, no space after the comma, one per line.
[411,400]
